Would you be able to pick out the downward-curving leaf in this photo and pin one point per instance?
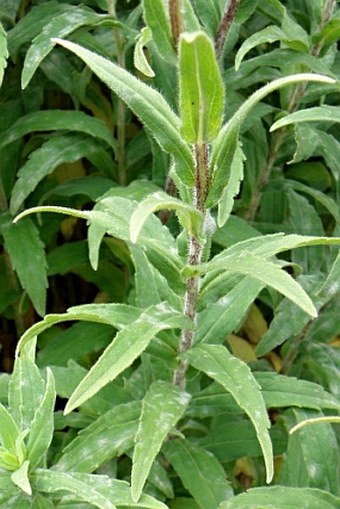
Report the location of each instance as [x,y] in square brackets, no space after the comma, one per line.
[267,273]
[124,349]
[282,497]
[324,113]
[148,104]
[53,120]
[267,35]
[201,90]
[3,52]
[224,146]
[59,26]
[235,376]
[42,426]
[56,151]
[163,406]
[189,217]
[200,472]
[22,242]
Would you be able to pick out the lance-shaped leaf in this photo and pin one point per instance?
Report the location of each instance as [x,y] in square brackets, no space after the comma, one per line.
[148,104]
[3,52]
[266,272]
[156,18]
[163,406]
[56,151]
[225,144]
[200,472]
[235,376]
[59,26]
[282,497]
[42,426]
[189,217]
[53,120]
[127,346]
[324,113]
[201,91]
[9,431]
[98,490]
[22,242]
[139,59]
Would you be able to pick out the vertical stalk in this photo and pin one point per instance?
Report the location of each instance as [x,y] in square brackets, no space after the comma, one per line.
[196,246]
[224,27]
[176,20]
[121,108]
[278,138]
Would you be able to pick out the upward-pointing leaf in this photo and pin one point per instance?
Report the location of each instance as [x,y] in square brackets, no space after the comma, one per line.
[163,406]
[200,88]
[148,104]
[127,346]
[3,52]
[235,376]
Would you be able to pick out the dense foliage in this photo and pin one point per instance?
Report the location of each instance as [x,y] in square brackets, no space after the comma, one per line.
[170,269]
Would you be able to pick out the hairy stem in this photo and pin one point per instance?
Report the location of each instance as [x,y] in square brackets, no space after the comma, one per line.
[194,258]
[176,20]
[223,29]
[277,138]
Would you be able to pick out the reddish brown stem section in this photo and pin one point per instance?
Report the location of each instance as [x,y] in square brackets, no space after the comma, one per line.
[223,29]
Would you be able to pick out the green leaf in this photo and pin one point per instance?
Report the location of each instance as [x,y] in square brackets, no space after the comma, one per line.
[232,188]
[3,52]
[148,104]
[281,497]
[9,431]
[50,481]
[201,91]
[53,120]
[324,113]
[125,348]
[42,426]
[200,472]
[267,273]
[163,406]
[22,242]
[54,152]
[109,436]
[235,376]
[139,59]
[269,34]
[59,26]
[322,198]
[20,478]
[225,144]
[189,217]
[157,20]
[312,458]
[26,390]
[98,490]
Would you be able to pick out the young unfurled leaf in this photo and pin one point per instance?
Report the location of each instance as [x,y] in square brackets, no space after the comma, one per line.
[235,376]
[42,426]
[20,478]
[139,59]
[163,406]
[201,90]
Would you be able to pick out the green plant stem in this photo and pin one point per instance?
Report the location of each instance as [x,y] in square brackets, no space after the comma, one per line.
[121,108]
[176,20]
[278,138]
[224,27]
[196,247]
